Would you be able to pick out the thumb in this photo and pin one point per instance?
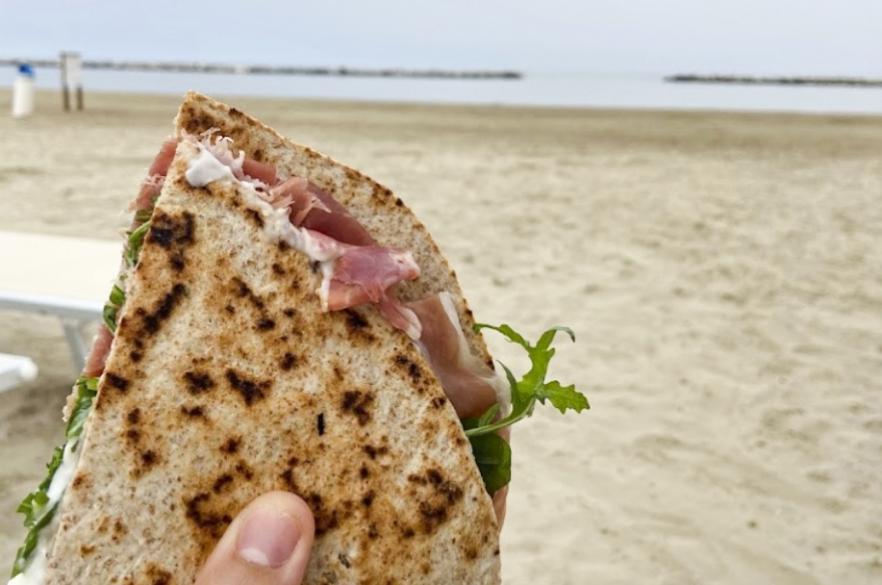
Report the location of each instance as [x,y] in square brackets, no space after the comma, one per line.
[268,543]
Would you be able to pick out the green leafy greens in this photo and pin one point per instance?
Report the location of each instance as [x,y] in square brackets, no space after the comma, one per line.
[87,389]
[112,307]
[492,452]
[35,507]
[136,240]
[493,456]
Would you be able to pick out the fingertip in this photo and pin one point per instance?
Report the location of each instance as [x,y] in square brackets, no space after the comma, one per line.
[286,503]
[268,543]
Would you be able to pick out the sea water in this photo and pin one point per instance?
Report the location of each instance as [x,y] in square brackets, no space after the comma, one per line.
[607,90]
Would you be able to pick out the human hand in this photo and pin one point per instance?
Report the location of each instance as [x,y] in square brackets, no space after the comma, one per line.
[268,543]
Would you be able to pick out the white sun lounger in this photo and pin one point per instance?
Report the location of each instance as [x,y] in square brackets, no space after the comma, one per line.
[15,369]
[69,278]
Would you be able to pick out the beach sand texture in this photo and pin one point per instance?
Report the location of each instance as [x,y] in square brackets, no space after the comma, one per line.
[723,273]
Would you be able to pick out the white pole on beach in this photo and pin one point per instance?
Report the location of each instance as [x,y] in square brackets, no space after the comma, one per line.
[71,68]
[23,92]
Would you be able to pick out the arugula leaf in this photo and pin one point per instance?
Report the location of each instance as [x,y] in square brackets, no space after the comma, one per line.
[492,452]
[134,243]
[117,295]
[563,397]
[493,456]
[86,392]
[36,513]
[31,540]
[532,386]
[143,215]
[112,307]
[35,506]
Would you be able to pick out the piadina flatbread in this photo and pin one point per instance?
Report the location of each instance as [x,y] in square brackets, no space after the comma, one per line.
[253,344]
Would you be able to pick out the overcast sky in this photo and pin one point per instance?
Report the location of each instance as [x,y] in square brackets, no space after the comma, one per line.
[654,36]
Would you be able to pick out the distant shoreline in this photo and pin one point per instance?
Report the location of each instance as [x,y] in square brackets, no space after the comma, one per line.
[751,80]
[182,67]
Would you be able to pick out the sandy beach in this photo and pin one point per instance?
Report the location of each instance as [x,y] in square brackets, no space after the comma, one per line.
[722,271]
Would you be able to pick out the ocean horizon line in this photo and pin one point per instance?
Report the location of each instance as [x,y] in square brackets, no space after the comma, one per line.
[629,91]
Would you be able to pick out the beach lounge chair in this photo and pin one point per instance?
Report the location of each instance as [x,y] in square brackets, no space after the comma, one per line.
[15,369]
[68,278]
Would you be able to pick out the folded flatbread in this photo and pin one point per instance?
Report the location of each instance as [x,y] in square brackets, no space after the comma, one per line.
[261,341]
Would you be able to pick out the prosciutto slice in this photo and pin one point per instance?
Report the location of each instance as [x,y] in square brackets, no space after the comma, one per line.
[400,316]
[261,171]
[364,273]
[470,384]
[98,353]
[310,206]
[163,159]
[295,195]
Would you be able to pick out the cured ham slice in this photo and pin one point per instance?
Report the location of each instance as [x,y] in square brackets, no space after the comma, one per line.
[98,353]
[332,219]
[364,273]
[261,171]
[150,189]
[295,194]
[400,316]
[163,158]
[470,384]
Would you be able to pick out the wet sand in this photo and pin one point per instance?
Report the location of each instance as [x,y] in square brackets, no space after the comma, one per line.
[723,273]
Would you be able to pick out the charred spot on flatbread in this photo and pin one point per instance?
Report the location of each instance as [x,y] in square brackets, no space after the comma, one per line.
[437,496]
[194,412]
[250,390]
[145,461]
[254,217]
[116,381]
[173,233]
[81,480]
[358,403]
[265,324]
[288,361]
[230,446]
[156,575]
[244,470]
[326,517]
[151,321]
[200,514]
[222,483]
[198,382]
[413,370]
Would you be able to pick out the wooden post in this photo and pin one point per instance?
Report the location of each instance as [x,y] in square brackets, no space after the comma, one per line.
[65,96]
[71,66]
